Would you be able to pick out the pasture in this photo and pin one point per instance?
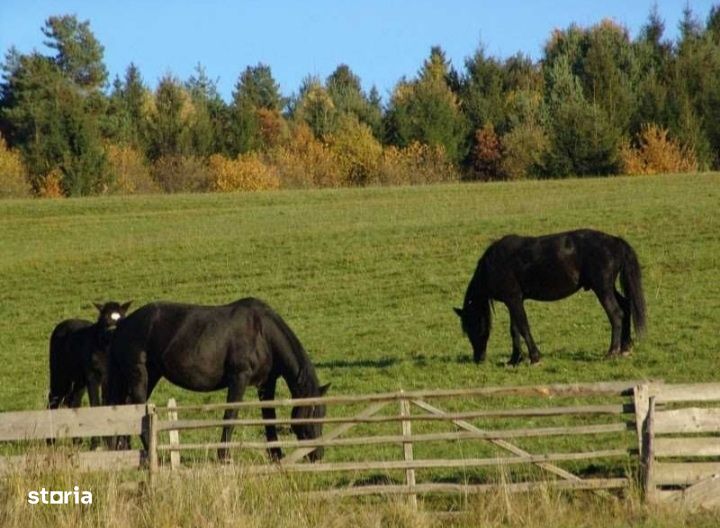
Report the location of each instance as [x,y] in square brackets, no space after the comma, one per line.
[367,278]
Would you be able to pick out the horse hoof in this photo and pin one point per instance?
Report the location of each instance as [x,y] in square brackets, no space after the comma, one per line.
[534,361]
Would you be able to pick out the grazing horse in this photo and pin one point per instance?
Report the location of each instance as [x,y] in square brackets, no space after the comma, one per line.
[78,356]
[549,268]
[207,348]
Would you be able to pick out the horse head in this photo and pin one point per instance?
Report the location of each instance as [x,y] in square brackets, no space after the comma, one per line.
[109,315]
[475,322]
[309,431]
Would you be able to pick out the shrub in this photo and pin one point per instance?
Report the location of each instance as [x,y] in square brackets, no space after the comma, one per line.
[246,173]
[357,151]
[50,186]
[174,173]
[305,161]
[13,175]
[524,149]
[129,171]
[656,153]
[417,163]
[486,153]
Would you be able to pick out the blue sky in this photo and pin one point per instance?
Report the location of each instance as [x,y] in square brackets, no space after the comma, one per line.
[381,40]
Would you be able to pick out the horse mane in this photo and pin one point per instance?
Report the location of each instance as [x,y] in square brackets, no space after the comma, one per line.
[476,298]
[306,379]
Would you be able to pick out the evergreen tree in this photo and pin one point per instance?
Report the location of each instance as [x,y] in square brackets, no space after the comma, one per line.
[52,107]
[426,110]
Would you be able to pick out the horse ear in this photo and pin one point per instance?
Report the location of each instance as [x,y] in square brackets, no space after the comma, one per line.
[458,311]
[98,306]
[124,307]
[324,388]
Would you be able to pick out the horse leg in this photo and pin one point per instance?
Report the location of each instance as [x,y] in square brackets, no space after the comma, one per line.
[516,356]
[236,389]
[265,393]
[519,318]
[94,396]
[626,339]
[607,299]
[74,400]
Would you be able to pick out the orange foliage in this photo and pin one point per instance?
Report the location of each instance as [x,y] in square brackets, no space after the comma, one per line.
[657,154]
[486,154]
[50,185]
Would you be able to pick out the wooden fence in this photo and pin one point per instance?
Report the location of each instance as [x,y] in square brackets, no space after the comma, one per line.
[85,422]
[625,424]
[679,441]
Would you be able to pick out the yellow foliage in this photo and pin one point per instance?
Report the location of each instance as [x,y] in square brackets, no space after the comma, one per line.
[306,162]
[415,164]
[50,186]
[13,175]
[357,151]
[245,173]
[657,154]
[130,173]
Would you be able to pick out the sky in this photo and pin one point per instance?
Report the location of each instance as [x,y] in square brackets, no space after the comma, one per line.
[381,40]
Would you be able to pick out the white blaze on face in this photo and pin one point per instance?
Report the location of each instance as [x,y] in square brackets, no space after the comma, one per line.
[115,316]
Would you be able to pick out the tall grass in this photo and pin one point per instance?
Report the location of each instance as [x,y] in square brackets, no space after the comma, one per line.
[226,496]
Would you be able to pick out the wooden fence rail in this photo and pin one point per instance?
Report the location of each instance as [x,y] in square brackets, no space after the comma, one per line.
[671,472]
[653,410]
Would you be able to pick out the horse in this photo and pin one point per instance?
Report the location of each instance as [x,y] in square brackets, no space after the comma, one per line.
[78,356]
[550,268]
[207,348]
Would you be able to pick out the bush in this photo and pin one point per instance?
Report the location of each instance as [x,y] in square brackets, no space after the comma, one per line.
[13,175]
[306,162]
[656,153]
[246,173]
[357,151]
[415,164]
[486,153]
[128,171]
[175,173]
[524,149]
[50,186]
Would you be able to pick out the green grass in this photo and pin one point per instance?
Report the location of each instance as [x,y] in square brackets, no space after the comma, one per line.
[367,277]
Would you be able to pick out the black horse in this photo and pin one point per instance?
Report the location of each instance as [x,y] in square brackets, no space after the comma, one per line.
[549,268]
[206,348]
[78,356]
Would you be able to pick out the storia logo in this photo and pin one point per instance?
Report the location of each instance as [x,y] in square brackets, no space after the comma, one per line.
[59,497]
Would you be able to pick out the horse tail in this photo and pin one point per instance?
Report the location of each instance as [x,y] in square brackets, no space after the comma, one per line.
[631,282]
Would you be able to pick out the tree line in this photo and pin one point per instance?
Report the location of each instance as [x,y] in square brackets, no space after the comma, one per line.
[598,102]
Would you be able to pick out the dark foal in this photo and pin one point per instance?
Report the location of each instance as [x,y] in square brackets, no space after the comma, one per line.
[78,356]
[549,268]
[208,348]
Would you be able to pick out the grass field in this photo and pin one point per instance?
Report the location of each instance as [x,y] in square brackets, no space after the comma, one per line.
[368,278]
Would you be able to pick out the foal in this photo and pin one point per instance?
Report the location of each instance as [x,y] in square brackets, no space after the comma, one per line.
[78,356]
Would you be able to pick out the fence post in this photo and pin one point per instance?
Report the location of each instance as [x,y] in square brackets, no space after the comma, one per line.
[173,434]
[408,447]
[152,452]
[649,453]
[641,395]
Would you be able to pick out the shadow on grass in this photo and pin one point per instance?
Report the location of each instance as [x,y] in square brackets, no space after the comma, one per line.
[359,363]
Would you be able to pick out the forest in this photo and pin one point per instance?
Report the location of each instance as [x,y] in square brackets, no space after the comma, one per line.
[598,102]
